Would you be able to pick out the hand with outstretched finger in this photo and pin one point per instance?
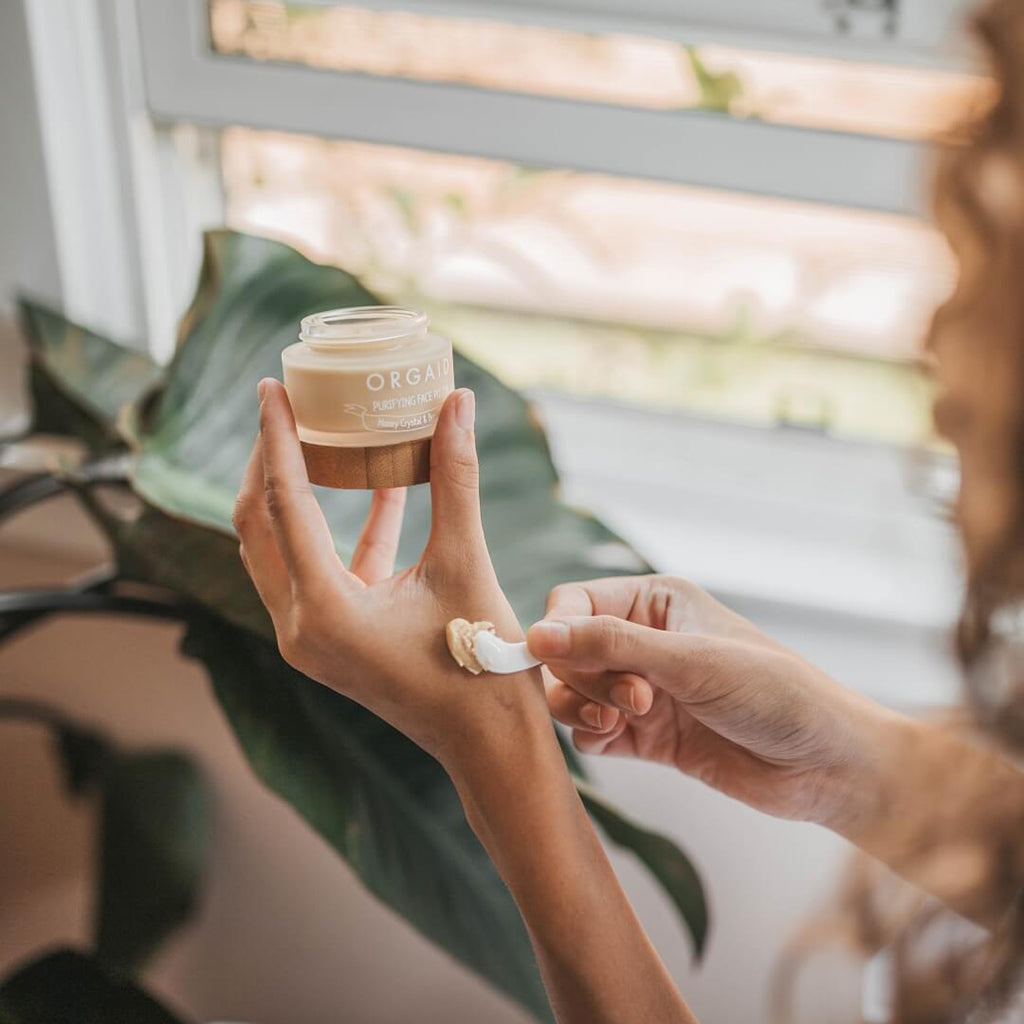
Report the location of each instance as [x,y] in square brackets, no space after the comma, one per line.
[371,634]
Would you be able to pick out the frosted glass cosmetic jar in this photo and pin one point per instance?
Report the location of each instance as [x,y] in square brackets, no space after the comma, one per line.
[366,385]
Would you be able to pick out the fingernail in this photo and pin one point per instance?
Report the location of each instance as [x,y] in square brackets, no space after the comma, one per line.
[549,639]
[465,410]
[624,696]
[591,714]
[261,388]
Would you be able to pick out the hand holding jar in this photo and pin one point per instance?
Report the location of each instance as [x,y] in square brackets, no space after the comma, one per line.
[376,636]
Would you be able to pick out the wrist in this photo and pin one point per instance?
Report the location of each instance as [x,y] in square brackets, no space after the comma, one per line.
[510,773]
[867,786]
[503,721]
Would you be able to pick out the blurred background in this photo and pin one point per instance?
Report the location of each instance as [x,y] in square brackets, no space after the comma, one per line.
[695,233]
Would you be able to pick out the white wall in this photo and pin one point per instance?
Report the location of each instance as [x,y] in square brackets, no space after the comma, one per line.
[28,258]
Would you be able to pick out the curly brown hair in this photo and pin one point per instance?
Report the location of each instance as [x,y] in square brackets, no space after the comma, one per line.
[979,203]
[943,971]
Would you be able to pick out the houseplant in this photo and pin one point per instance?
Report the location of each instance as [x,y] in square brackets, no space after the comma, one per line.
[165,452]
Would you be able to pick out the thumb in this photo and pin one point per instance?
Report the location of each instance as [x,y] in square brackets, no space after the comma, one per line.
[600,643]
[456,526]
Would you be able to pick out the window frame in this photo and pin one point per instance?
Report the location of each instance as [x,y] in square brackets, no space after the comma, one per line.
[185,80]
[924,34]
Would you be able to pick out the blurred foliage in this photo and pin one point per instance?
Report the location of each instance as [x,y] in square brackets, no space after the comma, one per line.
[151,843]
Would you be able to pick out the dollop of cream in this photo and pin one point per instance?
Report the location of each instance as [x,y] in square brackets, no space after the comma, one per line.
[460,635]
[477,648]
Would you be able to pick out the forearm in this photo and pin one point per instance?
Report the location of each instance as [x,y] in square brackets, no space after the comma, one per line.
[598,965]
[943,811]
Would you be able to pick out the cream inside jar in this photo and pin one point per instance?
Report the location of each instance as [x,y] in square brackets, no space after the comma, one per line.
[366,385]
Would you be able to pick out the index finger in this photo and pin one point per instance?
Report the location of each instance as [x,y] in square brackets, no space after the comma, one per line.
[615,595]
[299,526]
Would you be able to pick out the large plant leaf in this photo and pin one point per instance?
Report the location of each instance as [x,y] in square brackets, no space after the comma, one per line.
[67,987]
[191,440]
[153,837]
[198,562]
[377,798]
[194,437]
[80,380]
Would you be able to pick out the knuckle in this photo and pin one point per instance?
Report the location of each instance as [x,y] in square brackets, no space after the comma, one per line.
[290,639]
[675,600]
[281,494]
[461,470]
[297,638]
[275,500]
[666,593]
[306,625]
[241,515]
[559,593]
[457,564]
[563,703]
[678,586]
[287,646]
[682,589]
[609,638]
[370,552]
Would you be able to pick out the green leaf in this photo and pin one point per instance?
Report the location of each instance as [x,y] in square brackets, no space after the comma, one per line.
[383,803]
[195,561]
[67,987]
[663,858]
[360,784]
[195,436]
[153,836]
[80,380]
[718,91]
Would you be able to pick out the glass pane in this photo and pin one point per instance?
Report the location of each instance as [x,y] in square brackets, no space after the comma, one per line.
[657,295]
[628,70]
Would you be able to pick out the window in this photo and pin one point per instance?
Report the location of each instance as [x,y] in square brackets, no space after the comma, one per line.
[763,311]
[606,68]
[757,308]
[698,224]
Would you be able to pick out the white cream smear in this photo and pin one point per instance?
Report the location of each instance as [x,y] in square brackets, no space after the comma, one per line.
[477,648]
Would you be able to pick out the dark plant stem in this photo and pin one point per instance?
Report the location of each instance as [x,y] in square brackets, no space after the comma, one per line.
[37,487]
[19,608]
[97,581]
[28,491]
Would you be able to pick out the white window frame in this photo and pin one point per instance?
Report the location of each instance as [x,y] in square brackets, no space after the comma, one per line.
[129,208]
[186,80]
[924,36]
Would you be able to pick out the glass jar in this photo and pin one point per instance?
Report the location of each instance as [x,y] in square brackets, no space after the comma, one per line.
[366,385]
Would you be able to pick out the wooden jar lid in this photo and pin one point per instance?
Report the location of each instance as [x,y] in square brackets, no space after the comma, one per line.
[390,465]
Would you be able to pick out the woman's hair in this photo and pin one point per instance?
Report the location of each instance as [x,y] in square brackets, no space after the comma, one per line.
[979,203]
[939,968]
